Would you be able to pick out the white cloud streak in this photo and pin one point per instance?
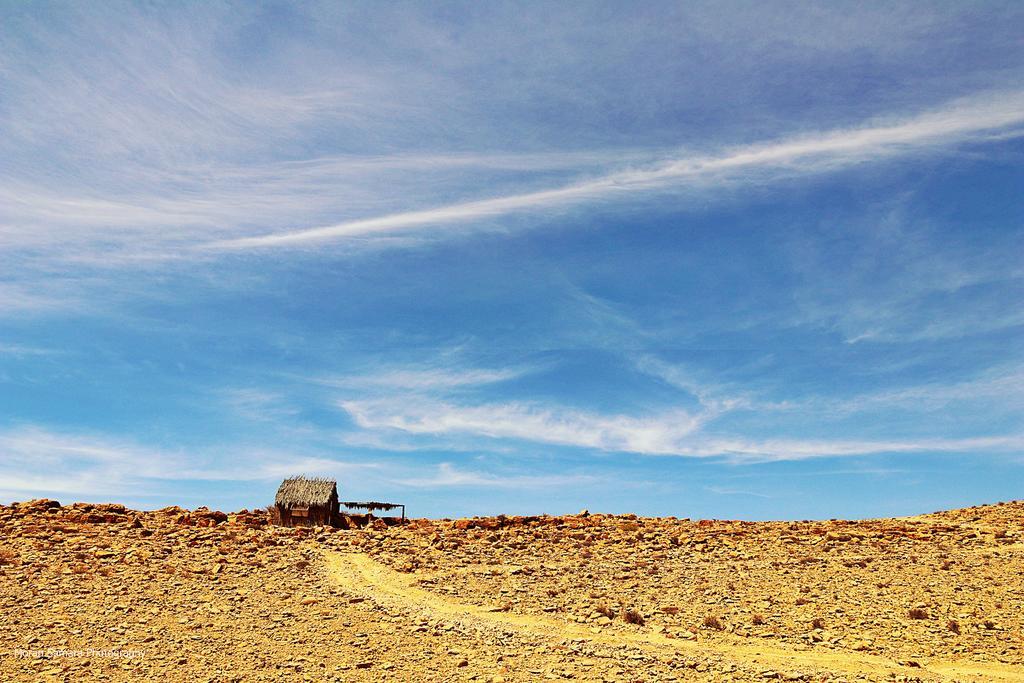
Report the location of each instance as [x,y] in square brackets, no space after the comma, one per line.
[771,450]
[657,434]
[447,475]
[712,398]
[667,433]
[429,379]
[960,122]
[729,491]
[39,461]
[1001,387]
[20,350]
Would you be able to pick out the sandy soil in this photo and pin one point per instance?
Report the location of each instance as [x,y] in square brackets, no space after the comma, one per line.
[105,593]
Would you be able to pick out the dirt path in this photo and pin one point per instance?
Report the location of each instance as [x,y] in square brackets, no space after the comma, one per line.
[360,574]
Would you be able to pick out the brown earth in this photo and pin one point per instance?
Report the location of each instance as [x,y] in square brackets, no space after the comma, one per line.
[98,592]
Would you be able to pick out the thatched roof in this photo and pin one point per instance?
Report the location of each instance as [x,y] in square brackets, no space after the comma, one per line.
[304,491]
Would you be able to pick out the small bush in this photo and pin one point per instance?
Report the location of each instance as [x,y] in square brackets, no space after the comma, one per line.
[757,620]
[818,623]
[918,613]
[953,625]
[802,601]
[711,621]
[605,610]
[274,514]
[631,616]
[7,556]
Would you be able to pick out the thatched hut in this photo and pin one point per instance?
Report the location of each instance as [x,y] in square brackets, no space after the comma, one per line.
[303,501]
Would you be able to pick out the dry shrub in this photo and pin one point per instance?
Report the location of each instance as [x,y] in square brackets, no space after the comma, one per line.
[988,624]
[818,623]
[8,556]
[605,610]
[953,625]
[918,613]
[757,620]
[711,621]
[802,601]
[631,616]
[274,514]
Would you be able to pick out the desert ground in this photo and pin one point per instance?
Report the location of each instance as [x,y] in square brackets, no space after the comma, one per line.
[103,593]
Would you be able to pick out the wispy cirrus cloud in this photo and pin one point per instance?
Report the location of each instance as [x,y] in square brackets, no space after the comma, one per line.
[1003,384]
[42,461]
[39,461]
[209,200]
[773,450]
[22,298]
[20,350]
[714,398]
[730,491]
[448,475]
[669,432]
[424,379]
[257,405]
[657,434]
[962,121]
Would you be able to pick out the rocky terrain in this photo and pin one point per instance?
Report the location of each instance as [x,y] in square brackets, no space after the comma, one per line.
[99,592]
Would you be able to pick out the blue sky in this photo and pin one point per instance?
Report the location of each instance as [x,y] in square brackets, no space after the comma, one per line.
[735,260]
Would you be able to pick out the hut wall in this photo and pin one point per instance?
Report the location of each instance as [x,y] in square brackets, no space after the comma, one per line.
[314,515]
